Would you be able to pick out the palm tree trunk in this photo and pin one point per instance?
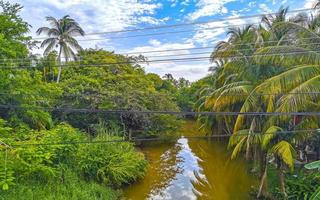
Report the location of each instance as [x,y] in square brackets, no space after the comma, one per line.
[59,73]
[60,67]
[263,188]
[281,178]
[247,156]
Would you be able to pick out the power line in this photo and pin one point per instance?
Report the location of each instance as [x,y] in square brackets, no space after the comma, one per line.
[193,23]
[228,94]
[161,33]
[158,138]
[165,60]
[178,49]
[178,113]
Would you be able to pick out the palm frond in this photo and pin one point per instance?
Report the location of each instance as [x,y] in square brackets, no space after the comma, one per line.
[53,22]
[285,151]
[250,104]
[238,148]
[269,135]
[286,55]
[307,92]
[293,29]
[42,30]
[232,96]
[288,80]
[48,41]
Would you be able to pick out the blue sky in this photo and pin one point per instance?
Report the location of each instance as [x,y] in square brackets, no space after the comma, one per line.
[113,15]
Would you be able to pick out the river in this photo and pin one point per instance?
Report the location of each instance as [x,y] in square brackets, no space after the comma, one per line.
[190,169]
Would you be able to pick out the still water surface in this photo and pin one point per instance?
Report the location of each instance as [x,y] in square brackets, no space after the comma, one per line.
[191,169]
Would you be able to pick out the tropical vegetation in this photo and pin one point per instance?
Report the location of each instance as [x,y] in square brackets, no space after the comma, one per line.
[55,128]
[269,68]
[49,148]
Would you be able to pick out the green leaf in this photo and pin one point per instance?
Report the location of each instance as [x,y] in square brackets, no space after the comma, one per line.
[5,186]
[285,151]
[313,165]
[316,195]
[269,135]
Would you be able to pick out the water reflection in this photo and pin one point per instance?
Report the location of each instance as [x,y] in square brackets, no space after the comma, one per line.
[221,178]
[191,169]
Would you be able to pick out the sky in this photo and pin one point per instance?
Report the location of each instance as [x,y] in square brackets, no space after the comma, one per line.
[96,16]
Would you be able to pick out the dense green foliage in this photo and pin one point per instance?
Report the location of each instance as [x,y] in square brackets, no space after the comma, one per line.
[113,164]
[49,154]
[71,188]
[49,115]
[12,32]
[34,157]
[272,67]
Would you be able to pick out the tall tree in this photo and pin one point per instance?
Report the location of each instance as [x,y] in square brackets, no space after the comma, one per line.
[12,32]
[61,35]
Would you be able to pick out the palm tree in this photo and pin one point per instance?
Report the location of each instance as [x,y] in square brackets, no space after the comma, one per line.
[61,35]
[281,71]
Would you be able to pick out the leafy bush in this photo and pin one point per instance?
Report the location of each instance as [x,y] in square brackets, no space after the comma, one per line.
[71,188]
[31,158]
[163,125]
[113,164]
[299,185]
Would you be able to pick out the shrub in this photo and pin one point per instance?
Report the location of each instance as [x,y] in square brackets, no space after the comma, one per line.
[71,188]
[113,164]
[31,158]
[300,185]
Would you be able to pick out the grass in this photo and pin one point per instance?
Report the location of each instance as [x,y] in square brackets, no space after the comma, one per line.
[72,188]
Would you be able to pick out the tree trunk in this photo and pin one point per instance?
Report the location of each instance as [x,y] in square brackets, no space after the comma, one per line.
[263,188]
[247,148]
[60,67]
[281,178]
[130,134]
[59,73]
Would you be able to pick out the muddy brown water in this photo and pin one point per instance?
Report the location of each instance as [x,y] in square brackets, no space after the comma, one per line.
[190,169]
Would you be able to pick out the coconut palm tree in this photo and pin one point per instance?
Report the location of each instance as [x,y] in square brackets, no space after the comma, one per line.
[61,35]
[289,65]
[301,60]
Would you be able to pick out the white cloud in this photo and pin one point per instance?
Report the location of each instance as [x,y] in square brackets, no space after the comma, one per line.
[98,15]
[192,71]
[185,69]
[213,32]
[185,2]
[309,3]
[156,45]
[252,4]
[93,16]
[209,35]
[152,20]
[209,8]
[173,3]
[154,42]
[264,8]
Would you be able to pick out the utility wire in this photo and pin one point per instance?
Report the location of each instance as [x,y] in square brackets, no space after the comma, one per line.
[21,144]
[147,112]
[178,49]
[83,95]
[164,60]
[193,23]
[161,33]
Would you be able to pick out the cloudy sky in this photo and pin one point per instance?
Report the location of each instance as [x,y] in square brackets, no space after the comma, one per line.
[116,15]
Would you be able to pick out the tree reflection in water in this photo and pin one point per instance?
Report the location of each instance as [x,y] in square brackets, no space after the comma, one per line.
[220,177]
[191,169]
